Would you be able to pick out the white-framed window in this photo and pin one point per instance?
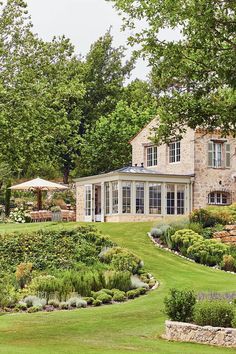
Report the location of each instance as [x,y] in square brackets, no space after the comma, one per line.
[175,199]
[139,198]
[180,199]
[107,198]
[219,154]
[154,198]
[114,197]
[151,156]
[219,198]
[88,200]
[126,197]
[170,199]
[174,152]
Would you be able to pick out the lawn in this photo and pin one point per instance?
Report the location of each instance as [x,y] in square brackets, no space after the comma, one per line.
[132,327]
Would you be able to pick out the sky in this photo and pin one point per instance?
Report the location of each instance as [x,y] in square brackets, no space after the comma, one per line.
[83,21]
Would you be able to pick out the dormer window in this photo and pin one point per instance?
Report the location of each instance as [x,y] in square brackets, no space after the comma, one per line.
[174,152]
[151,156]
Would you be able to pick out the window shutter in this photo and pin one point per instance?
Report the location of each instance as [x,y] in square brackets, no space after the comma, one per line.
[227,155]
[210,154]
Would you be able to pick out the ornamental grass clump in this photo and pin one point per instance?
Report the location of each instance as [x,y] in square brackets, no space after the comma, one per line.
[179,305]
[118,280]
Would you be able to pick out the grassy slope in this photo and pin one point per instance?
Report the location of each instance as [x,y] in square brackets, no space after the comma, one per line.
[132,327]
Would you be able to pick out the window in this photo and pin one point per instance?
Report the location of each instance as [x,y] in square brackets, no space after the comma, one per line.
[219,198]
[114,197]
[170,199]
[126,197]
[88,200]
[140,198]
[174,152]
[227,156]
[218,154]
[107,198]
[154,198]
[180,199]
[151,156]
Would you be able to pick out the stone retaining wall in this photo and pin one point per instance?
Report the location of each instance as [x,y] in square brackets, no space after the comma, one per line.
[186,332]
[226,236]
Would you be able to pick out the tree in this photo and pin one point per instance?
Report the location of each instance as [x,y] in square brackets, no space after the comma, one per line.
[105,146]
[105,75]
[194,76]
[40,93]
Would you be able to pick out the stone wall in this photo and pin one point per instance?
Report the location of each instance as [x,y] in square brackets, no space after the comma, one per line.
[226,236]
[186,332]
[186,164]
[208,179]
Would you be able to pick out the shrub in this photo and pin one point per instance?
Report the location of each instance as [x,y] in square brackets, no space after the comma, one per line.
[179,305]
[34,309]
[105,298]
[118,280]
[228,263]
[137,283]
[34,301]
[119,296]
[21,306]
[54,302]
[156,232]
[51,249]
[209,252]
[108,291]
[182,239]
[131,294]
[211,216]
[63,305]
[122,259]
[81,303]
[213,313]
[23,274]
[97,302]
[196,227]
[89,300]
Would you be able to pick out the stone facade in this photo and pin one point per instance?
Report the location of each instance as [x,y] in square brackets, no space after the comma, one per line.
[209,179]
[186,332]
[194,160]
[141,141]
[226,236]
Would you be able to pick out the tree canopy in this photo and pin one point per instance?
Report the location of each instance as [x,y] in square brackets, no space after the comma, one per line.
[195,75]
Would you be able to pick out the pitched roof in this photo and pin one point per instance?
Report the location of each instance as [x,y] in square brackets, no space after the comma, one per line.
[145,126]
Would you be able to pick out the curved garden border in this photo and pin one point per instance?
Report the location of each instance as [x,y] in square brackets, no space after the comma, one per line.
[180,255]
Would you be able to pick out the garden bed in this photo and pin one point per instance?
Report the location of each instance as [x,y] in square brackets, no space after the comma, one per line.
[67,269]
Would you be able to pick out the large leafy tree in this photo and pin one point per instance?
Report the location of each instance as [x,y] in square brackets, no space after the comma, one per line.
[41,92]
[105,75]
[195,76]
[105,146]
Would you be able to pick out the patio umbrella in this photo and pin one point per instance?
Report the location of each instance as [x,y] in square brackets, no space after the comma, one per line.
[38,185]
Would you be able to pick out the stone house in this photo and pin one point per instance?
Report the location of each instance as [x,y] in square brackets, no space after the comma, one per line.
[173,179]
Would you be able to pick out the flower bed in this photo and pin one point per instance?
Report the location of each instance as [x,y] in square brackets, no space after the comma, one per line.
[67,269]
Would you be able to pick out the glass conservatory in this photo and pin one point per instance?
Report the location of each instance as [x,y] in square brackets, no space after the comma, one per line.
[133,194]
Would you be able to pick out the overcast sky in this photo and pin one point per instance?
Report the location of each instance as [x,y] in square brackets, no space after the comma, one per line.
[83,21]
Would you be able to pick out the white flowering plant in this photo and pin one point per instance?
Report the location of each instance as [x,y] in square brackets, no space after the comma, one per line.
[19,216]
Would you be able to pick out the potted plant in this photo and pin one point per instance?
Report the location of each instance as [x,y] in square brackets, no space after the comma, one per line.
[56,213]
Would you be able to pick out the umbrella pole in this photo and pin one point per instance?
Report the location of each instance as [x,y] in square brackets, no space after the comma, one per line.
[39,199]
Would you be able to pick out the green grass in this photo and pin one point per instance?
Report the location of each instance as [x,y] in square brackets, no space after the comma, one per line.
[132,327]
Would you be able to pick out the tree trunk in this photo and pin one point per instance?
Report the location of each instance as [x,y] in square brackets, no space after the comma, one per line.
[66,175]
